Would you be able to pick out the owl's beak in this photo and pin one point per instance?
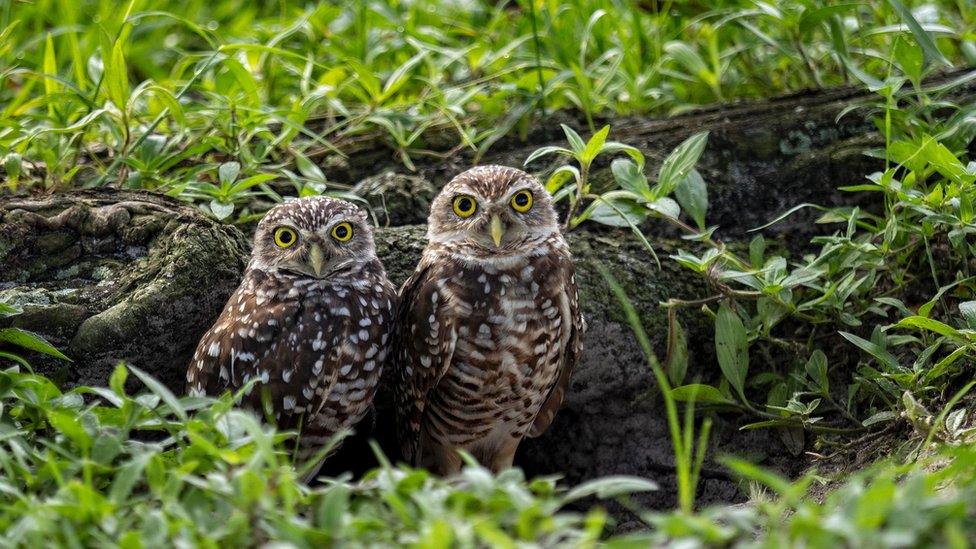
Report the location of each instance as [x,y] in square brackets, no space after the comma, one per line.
[316,259]
[497,230]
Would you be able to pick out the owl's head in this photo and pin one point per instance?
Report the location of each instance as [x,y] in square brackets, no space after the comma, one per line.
[490,211]
[315,237]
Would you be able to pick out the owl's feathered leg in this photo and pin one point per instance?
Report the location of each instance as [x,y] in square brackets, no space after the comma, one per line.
[503,455]
[438,458]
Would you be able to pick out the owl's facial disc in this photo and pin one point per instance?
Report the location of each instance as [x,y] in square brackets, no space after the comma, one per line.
[497,223]
[314,237]
[323,253]
[491,211]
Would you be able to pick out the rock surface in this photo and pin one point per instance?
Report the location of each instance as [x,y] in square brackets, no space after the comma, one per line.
[113,276]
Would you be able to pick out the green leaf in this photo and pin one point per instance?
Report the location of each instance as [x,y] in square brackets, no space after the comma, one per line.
[595,145]
[732,348]
[7,309]
[629,176]
[67,424]
[116,76]
[676,362]
[680,162]
[816,368]
[308,168]
[228,172]
[221,210]
[576,143]
[544,151]
[665,206]
[811,18]
[50,68]
[886,415]
[910,58]
[968,311]
[31,341]
[882,355]
[161,391]
[929,324]
[757,251]
[700,393]
[562,175]
[615,209]
[127,477]
[12,164]
[634,153]
[117,381]
[608,487]
[924,39]
[692,194]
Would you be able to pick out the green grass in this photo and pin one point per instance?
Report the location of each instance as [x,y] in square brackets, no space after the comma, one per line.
[97,467]
[158,95]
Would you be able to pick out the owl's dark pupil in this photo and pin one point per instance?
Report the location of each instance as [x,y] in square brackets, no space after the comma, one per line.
[464,204]
[341,232]
[286,237]
[522,199]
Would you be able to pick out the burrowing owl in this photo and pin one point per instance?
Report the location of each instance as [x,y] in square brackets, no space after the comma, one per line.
[312,321]
[488,326]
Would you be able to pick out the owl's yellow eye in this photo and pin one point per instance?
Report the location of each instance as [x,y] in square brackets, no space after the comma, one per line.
[285,237]
[342,232]
[464,205]
[522,201]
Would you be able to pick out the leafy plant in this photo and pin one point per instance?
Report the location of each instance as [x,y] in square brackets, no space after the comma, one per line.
[928,504]
[98,466]
[764,302]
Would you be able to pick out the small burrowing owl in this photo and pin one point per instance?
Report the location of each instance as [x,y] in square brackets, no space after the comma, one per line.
[488,327]
[312,322]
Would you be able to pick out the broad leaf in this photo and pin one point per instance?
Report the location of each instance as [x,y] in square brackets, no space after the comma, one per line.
[629,176]
[228,172]
[924,39]
[595,145]
[732,348]
[816,368]
[29,340]
[680,162]
[692,194]
[700,393]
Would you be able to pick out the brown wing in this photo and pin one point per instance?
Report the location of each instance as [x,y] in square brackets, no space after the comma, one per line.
[241,340]
[425,339]
[569,336]
[293,351]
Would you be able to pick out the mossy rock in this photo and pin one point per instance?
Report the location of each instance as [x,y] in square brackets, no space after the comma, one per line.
[112,276]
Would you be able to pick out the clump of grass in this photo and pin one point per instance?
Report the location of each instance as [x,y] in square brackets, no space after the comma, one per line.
[99,466]
[898,360]
[158,96]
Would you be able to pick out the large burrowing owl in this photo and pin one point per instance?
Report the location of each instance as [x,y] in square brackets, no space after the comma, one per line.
[488,327]
[312,321]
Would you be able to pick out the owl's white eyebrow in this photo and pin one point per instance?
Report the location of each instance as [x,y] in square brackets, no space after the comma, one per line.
[465,189]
